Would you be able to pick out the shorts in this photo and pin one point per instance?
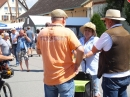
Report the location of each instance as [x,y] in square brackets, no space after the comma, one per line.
[22,54]
[30,45]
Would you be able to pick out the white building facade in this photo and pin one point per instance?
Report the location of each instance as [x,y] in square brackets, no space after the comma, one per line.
[6,12]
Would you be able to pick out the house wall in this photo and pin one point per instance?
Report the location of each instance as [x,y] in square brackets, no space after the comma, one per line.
[98,8]
[87,10]
[77,12]
[7,12]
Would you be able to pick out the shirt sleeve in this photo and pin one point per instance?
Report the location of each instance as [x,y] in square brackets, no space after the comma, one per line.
[104,42]
[73,41]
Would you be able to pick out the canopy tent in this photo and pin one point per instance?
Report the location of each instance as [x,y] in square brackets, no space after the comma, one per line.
[3,25]
[18,26]
[36,21]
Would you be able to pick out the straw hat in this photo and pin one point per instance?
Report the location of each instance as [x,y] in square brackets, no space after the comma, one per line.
[89,25]
[113,14]
[13,29]
[58,13]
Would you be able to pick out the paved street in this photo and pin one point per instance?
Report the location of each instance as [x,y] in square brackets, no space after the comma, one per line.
[29,84]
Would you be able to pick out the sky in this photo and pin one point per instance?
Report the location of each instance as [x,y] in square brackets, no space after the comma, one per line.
[30,3]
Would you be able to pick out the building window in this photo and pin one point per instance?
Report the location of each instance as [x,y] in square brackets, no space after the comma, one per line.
[20,9]
[6,9]
[13,9]
[13,18]
[20,20]
[4,17]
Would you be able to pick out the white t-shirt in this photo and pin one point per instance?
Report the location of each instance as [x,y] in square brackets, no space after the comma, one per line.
[105,43]
[13,36]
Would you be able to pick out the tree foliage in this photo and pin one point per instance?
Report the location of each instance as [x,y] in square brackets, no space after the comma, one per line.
[119,5]
[114,4]
[100,27]
[127,12]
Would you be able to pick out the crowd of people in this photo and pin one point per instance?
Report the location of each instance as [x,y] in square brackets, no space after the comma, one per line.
[107,57]
[18,44]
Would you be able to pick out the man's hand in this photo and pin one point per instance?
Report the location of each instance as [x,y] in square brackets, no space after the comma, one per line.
[11,58]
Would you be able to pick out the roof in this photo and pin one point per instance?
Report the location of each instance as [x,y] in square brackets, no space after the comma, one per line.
[45,6]
[2,2]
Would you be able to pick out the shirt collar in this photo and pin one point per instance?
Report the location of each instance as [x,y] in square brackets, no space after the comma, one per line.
[116,25]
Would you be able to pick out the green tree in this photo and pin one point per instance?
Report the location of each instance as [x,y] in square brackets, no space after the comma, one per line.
[127,12]
[100,27]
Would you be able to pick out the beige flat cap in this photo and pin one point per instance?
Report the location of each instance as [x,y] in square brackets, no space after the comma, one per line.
[58,13]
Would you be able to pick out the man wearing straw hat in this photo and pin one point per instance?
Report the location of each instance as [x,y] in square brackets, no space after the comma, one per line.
[114,59]
[56,43]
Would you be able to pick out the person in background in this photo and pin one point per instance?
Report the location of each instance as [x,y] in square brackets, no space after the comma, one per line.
[37,32]
[47,24]
[91,66]
[30,34]
[1,31]
[22,39]
[114,59]
[14,34]
[56,43]
[5,46]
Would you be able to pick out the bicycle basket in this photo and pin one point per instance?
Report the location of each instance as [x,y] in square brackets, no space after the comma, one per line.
[7,73]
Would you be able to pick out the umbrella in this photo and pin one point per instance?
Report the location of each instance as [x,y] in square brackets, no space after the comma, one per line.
[3,25]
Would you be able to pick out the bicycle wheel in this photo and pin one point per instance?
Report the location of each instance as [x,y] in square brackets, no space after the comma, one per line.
[6,90]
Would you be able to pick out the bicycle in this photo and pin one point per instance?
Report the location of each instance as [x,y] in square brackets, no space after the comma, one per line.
[5,73]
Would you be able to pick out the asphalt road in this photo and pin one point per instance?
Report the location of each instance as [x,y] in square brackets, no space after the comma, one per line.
[30,84]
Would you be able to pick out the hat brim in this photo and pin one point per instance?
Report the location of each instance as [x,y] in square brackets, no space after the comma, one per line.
[120,19]
[82,30]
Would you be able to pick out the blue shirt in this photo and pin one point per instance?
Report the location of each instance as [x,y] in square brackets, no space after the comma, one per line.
[30,34]
[21,44]
[91,62]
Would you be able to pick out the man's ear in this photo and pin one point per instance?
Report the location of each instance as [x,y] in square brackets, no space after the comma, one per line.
[64,21]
